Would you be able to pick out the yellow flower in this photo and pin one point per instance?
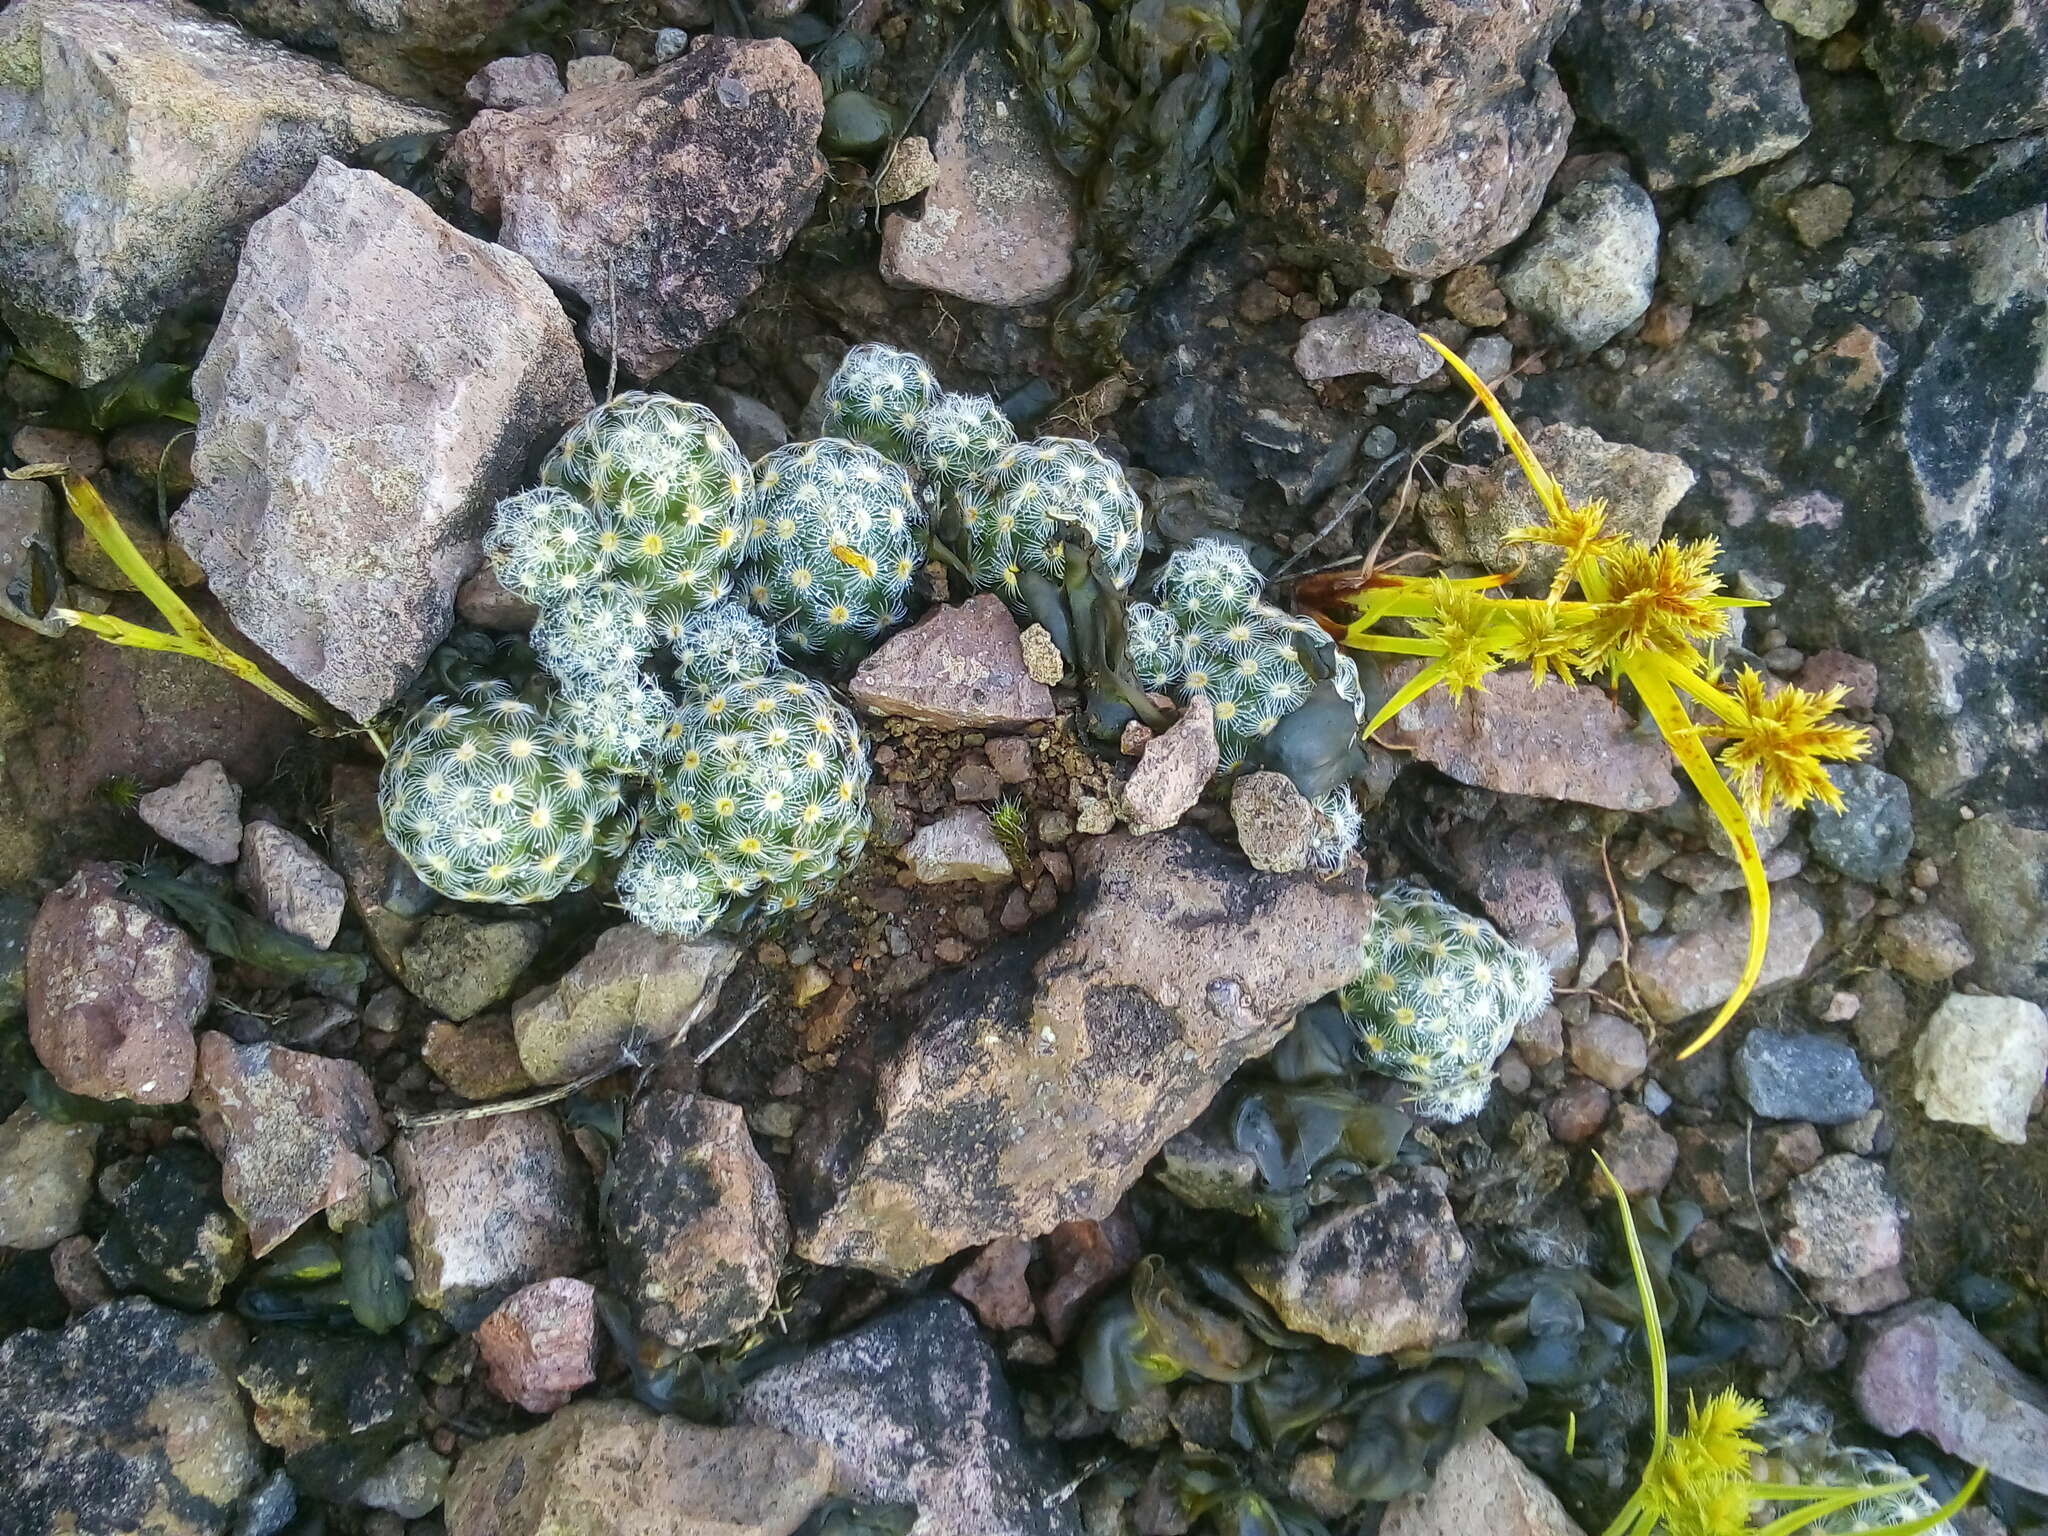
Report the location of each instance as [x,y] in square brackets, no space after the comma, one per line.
[1661,598]
[1460,622]
[1539,635]
[1581,532]
[1777,742]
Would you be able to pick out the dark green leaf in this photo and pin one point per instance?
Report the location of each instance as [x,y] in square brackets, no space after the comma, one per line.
[376,1292]
[227,930]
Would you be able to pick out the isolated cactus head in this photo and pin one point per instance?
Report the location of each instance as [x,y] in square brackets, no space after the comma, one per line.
[834,545]
[760,797]
[1439,996]
[877,396]
[1015,514]
[490,797]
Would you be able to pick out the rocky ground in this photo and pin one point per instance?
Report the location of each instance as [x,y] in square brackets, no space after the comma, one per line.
[326,1205]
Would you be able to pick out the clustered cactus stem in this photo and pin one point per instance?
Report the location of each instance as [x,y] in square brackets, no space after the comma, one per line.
[1439,996]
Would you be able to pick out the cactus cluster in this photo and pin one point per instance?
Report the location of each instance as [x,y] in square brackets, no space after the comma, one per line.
[761,790]
[640,520]
[1438,997]
[1211,633]
[494,798]
[835,539]
[876,396]
[717,773]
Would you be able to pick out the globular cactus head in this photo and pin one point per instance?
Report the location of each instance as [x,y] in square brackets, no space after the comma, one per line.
[1014,515]
[669,477]
[877,396]
[957,440]
[762,794]
[627,722]
[1213,634]
[1439,995]
[836,539]
[599,634]
[489,797]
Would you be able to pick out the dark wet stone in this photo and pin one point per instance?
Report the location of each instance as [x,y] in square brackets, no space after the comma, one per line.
[1801,1077]
[172,1234]
[1870,838]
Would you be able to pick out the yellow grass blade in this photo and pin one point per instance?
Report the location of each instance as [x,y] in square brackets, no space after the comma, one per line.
[1548,491]
[1661,701]
[1409,692]
[1653,1325]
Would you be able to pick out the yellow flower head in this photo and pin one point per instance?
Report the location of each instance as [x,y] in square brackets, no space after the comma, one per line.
[1539,634]
[1460,622]
[1777,742]
[1661,598]
[1701,1485]
[1581,532]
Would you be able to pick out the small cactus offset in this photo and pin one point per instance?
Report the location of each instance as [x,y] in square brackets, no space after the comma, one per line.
[836,539]
[1013,516]
[762,793]
[877,396]
[491,797]
[1211,634]
[1439,996]
[958,439]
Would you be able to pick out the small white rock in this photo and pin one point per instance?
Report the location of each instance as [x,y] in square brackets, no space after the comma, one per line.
[201,813]
[1981,1061]
[597,69]
[1042,658]
[290,885]
[959,846]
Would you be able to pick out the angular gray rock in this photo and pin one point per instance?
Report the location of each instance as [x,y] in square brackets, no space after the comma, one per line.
[1590,269]
[289,885]
[1843,1227]
[659,199]
[374,387]
[125,1421]
[1925,1370]
[459,965]
[1274,821]
[1000,218]
[294,1132]
[1556,741]
[1981,1061]
[139,139]
[1999,891]
[693,1226]
[491,1206]
[616,1469]
[1369,341]
[1176,768]
[635,991]
[1414,135]
[960,845]
[1697,91]
[1379,1276]
[113,993]
[201,813]
[961,665]
[415,48]
[45,1178]
[915,1410]
[521,80]
[1961,72]
[1034,1087]
[1681,974]
[1480,1486]
[1871,837]
[1471,514]
[1801,1075]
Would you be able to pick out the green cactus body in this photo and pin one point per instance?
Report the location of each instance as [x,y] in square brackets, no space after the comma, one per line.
[1013,514]
[491,798]
[762,793]
[877,396]
[835,542]
[668,477]
[958,439]
[1439,996]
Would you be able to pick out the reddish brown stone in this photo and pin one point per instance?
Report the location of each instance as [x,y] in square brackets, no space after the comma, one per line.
[113,993]
[995,1285]
[540,1345]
